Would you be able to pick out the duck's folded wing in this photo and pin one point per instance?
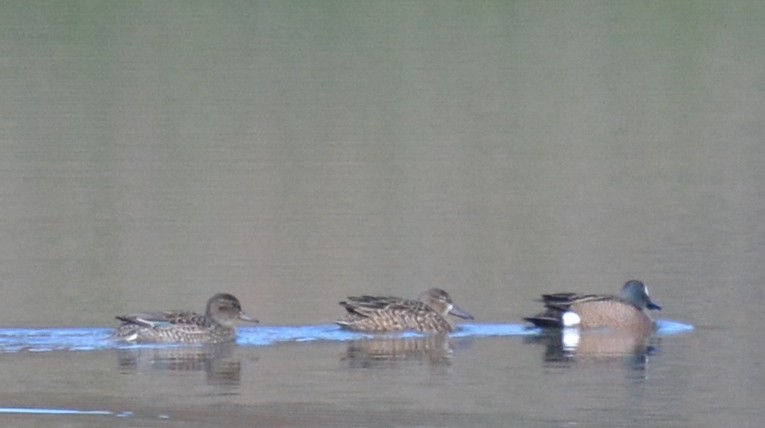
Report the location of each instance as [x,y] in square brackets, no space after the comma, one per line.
[161,319]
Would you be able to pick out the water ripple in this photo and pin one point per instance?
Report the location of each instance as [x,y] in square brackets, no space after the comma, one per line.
[89,339]
[44,411]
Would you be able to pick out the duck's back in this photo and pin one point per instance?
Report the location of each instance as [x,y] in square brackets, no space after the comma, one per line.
[388,314]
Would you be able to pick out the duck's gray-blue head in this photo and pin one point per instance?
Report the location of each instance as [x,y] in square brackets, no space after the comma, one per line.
[636,293]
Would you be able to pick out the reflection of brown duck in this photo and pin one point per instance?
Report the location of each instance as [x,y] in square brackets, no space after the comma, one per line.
[627,311]
[434,349]
[216,360]
[387,314]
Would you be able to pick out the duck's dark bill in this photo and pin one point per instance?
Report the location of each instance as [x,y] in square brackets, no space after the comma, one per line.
[245,317]
[459,312]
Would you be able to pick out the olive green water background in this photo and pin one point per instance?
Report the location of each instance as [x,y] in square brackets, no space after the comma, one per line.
[293,153]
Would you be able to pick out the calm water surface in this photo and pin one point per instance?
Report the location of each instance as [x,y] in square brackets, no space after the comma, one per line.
[295,153]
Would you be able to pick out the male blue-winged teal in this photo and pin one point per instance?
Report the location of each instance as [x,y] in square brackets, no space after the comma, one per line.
[625,311]
[388,314]
[215,326]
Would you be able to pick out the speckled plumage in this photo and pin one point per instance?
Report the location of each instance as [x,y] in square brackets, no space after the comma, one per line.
[625,311]
[388,314]
[215,326]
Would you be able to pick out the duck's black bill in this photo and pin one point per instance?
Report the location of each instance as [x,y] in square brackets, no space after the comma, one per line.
[459,312]
[245,317]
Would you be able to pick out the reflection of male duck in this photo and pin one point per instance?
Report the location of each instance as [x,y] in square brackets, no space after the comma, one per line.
[580,345]
[387,314]
[215,326]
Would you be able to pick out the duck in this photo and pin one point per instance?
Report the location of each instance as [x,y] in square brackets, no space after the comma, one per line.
[215,326]
[626,311]
[383,314]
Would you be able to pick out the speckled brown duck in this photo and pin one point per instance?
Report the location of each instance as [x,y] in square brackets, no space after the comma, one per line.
[380,314]
[215,326]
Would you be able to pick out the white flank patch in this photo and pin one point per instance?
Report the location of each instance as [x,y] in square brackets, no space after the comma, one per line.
[570,319]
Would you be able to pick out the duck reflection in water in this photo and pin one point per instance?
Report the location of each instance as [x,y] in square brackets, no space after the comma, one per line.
[218,361]
[379,352]
[568,345]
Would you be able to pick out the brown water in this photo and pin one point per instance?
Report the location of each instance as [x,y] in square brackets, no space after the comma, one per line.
[293,153]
